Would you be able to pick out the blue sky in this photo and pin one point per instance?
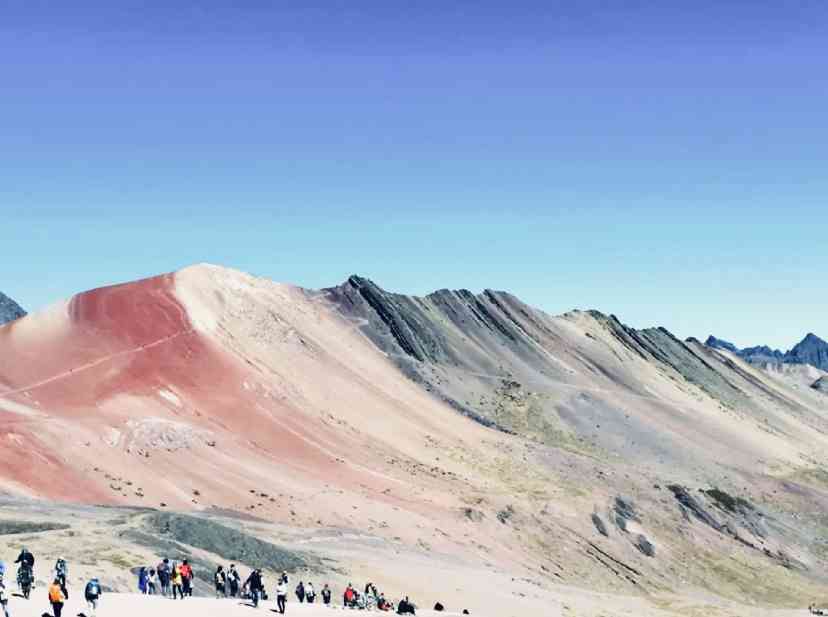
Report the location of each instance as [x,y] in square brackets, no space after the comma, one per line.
[664,163]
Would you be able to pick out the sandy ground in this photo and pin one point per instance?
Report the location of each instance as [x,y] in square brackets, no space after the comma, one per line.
[575,605]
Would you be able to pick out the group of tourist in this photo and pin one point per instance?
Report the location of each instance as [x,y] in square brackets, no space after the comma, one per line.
[169,579]
[175,580]
[58,590]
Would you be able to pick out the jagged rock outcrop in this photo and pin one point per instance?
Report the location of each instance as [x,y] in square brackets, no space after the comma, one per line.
[821,385]
[811,350]
[9,309]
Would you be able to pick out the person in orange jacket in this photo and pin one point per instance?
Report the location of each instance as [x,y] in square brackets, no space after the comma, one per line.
[56,597]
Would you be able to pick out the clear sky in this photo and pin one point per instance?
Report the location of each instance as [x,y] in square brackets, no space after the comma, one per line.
[663,161]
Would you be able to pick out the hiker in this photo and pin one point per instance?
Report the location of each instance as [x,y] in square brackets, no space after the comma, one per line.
[25,558]
[92,593]
[177,581]
[56,597]
[326,595]
[255,586]
[300,592]
[220,579]
[281,596]
[61,574]
[164,573]
[4,600]
[349,597]
[310,593]
[25,572]
[187,578]
[152,582]
[405,607]
[142,580]
[234,579]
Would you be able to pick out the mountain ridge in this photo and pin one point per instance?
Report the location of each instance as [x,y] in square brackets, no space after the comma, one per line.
[811,350]
[9,309]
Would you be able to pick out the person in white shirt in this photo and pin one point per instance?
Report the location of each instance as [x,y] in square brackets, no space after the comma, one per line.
[281,596]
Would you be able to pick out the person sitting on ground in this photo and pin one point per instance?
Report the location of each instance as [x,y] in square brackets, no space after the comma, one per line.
[56,597]
[220,579]
[383,604]
[326,595]
[92,593]
[405,607]
[255,585]
[310,593]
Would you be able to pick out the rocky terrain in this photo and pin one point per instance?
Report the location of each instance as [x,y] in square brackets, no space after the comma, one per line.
[811,350]
[570,462]
[9,309]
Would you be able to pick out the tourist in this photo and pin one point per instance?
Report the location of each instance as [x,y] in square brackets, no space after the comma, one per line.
[310,593]
[56,598]
[4,600]
[164,576]
[281,596]
[234,580]
[142,580]
[187,578]
[92,593]
[220,579]
[326,595]
[152,582]
[177,582]
[405,607]
[300,592]
[61,574]
[255,586]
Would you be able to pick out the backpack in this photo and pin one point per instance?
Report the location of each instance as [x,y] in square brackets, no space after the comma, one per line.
[55,595]
[60,566]
[92,589]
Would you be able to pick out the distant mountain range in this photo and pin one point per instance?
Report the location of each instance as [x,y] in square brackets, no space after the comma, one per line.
[811,350]
[9,309]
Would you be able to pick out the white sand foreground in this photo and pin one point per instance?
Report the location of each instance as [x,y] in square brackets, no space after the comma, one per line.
[134,605]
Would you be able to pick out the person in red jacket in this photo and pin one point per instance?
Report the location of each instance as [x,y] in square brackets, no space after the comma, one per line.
[187,578]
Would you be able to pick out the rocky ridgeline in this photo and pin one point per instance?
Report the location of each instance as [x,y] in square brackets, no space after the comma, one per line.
[811,350]
[9,309]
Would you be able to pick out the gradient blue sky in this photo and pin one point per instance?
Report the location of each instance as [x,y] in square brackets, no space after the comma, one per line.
[662,161]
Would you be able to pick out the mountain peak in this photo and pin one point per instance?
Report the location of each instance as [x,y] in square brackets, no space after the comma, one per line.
[9,309]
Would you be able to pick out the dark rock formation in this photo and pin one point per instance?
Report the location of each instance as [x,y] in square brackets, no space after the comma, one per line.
[9,310]
[600,525]
[644,545]
[821,385]
[811,350]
